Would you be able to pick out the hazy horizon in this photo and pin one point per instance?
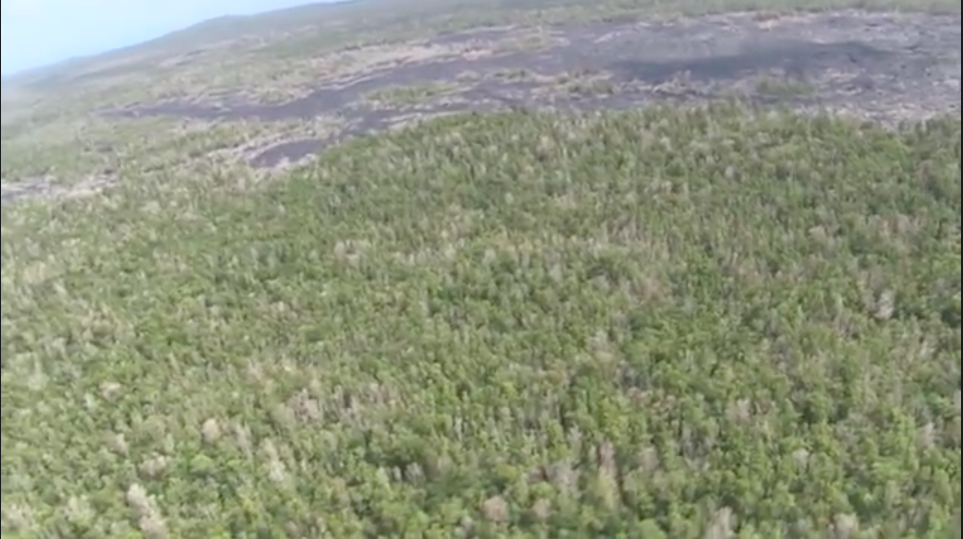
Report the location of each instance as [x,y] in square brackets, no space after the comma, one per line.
[37,33]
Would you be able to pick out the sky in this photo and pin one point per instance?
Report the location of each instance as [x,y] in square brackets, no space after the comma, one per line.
[35,33]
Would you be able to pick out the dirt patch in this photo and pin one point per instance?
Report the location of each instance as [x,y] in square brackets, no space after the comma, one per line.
[281,155]
[888,67]
[49,187]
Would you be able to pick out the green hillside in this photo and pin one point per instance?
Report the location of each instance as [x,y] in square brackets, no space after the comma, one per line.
[669,323]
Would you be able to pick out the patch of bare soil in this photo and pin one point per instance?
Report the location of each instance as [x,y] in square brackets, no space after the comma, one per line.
[48,187]
[886,67]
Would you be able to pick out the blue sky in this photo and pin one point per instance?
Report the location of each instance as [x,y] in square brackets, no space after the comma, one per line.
[40,32]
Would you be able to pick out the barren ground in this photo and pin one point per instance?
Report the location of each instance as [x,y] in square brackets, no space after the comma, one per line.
[889,67]
[884,67]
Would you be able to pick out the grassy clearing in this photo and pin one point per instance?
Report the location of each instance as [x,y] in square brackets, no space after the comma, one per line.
[409,95]
[657,324]
[784,88]
[122,149]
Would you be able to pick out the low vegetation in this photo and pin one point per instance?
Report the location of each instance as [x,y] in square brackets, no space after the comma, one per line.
[408,95]
[667,323]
